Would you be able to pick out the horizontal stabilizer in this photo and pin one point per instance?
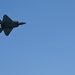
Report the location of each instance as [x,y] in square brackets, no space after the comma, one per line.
[0,21]
[0,30]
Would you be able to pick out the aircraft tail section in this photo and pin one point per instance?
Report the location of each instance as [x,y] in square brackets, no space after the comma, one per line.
[0,30]
[0,21]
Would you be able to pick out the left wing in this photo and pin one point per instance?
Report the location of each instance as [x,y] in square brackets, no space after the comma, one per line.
[6,19]
[7,31]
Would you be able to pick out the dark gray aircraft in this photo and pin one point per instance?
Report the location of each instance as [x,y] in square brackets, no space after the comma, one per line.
[8,24]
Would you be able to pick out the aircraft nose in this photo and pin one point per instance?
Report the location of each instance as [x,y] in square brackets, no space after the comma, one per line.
[22,23]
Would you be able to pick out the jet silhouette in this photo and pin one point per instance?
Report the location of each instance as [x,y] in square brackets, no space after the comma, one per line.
[8,24]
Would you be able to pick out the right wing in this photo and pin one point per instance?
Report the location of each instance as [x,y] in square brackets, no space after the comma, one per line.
[6,19]
[7,31]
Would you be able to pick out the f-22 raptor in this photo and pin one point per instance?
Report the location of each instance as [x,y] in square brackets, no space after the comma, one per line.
[8,24]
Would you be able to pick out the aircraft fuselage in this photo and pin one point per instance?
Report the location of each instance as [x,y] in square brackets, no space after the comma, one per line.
[9,25]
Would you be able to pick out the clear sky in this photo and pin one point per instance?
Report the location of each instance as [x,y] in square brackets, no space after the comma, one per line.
[43,46]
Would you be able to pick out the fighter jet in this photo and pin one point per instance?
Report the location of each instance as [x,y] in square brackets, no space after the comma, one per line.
[8,24]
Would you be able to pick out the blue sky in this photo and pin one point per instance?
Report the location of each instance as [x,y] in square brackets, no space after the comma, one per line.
[45,45]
